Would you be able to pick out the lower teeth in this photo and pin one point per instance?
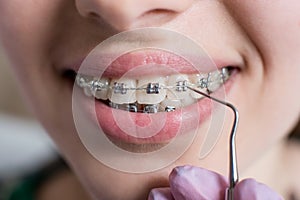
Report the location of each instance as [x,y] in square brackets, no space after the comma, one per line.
[140,108]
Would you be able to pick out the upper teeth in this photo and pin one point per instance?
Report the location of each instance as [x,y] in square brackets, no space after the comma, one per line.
[158,93]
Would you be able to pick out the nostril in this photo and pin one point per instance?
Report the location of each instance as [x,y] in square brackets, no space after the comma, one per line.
[156,17]
[94,15]
[131,13]
[160,11]
[97,19]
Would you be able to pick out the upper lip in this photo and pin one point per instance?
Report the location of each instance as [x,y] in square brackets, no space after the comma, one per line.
[143,63]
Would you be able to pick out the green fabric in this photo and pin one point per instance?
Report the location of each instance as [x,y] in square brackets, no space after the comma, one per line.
[27,188]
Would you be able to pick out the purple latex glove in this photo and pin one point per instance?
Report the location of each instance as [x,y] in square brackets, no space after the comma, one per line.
[193,183]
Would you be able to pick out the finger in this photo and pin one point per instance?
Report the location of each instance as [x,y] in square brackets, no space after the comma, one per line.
[250,189]
[160,194]
[193,183]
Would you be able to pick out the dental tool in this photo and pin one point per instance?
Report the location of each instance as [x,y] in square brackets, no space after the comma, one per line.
[233,168]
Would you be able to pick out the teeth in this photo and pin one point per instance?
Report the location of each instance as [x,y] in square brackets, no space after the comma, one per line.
[121,91]
[214,81]
[170,109]
[188,101]
[151,108]
[179,91]
[87,91]
[197,96]
[150,95]
[198,79]
[100,88]
[83,81]
[132,108]
[174,103]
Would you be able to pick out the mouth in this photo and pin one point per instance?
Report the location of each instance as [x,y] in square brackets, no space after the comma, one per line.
[152,94]
[152,108]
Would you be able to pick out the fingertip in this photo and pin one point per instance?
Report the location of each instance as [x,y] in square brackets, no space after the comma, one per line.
[197,183]
[160,194]
[197,174]
[179,171]
[252,189]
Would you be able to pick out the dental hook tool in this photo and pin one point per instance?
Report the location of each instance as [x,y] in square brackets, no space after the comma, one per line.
[233,168]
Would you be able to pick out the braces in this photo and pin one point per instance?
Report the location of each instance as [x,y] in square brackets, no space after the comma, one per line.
[146,108]
[181,86]
[154,88]
[170,108]
[120,88]
[142,108]
[95,85]
[150,108]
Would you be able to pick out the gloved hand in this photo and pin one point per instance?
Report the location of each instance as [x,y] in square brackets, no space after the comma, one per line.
[193,183]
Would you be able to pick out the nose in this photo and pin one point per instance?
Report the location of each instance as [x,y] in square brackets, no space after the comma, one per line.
[125,14]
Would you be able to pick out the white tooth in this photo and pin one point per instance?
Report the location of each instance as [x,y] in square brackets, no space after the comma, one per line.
[87,91]
[80,81]
[122,96]
[213,86]
[188,101]
[196,81]
[195,95]
[144,98]
[177,92]
[83,80]
[168,102]
[100,88]
[214,80]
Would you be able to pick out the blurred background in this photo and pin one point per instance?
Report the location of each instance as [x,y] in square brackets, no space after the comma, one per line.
[24,145]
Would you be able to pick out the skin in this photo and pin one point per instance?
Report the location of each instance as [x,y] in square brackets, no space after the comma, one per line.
[41,38]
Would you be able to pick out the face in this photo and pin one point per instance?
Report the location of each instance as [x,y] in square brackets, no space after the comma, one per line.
[260,39]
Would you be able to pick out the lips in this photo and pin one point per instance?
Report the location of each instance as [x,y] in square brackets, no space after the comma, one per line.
[156,128]
[162,63]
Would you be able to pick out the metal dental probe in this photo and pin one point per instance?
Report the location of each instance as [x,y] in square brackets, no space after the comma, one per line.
[233,169]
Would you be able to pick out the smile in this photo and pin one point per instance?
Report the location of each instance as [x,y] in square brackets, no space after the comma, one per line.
[152,94]
[143,97]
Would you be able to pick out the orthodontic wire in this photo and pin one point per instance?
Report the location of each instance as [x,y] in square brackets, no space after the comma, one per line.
[152,88]
[120,86]
[233,168]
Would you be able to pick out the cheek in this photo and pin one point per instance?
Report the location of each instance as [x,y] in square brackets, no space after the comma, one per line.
[273,27]
[24,29]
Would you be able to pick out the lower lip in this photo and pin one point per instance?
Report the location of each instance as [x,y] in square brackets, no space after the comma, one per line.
[175,123]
